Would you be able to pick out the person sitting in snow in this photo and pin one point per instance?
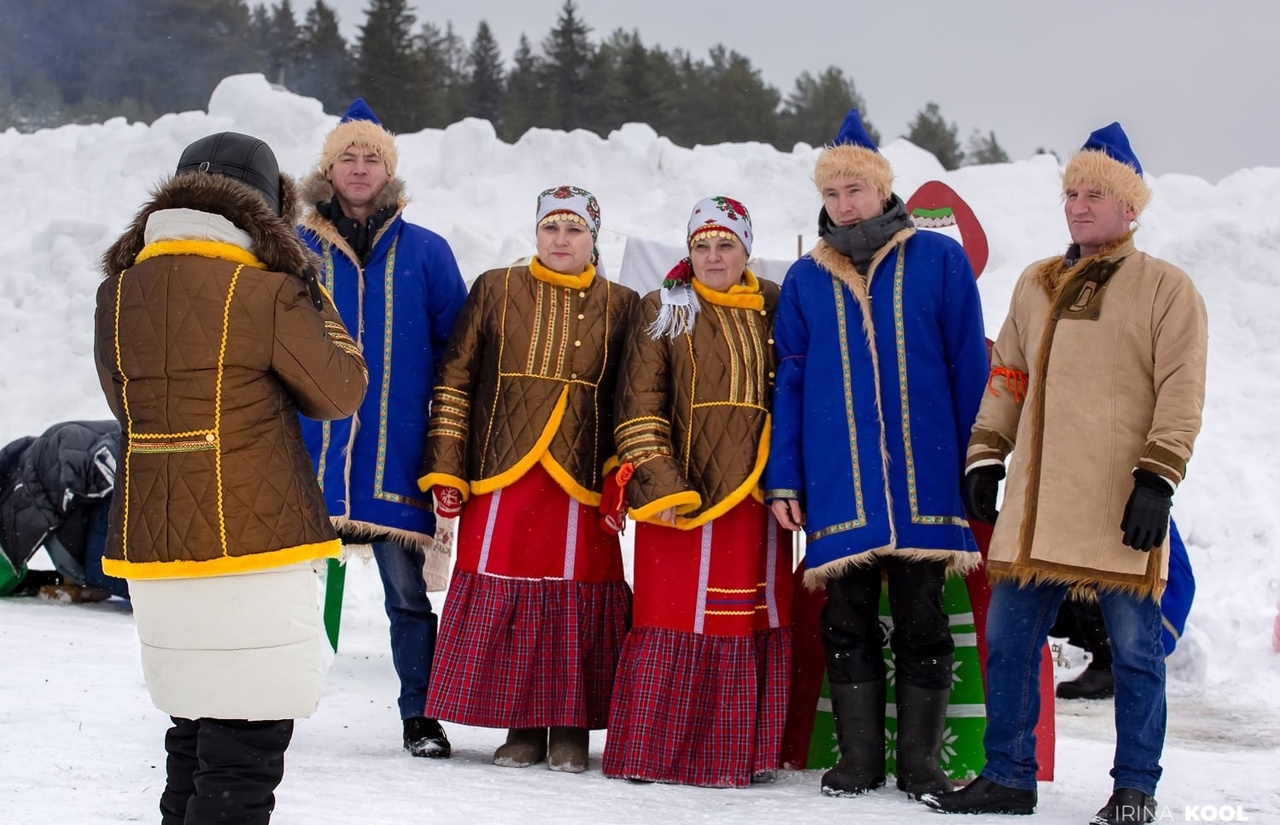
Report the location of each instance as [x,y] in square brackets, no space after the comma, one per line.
[398,288]
[55,491]
[1098,380]
[881,348]
[211,335]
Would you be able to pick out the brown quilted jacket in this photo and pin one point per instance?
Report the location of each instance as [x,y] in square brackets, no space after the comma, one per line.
[207,353]
[692,412]
[529,378]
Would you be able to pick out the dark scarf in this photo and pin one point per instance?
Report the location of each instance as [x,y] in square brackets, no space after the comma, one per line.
[861,241]
[359,235]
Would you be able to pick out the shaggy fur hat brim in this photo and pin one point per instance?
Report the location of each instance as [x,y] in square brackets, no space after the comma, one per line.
[1119,180]
[850,161]
[363,133]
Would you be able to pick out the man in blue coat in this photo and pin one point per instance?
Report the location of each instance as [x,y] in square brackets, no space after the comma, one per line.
[398,289]
[882,367]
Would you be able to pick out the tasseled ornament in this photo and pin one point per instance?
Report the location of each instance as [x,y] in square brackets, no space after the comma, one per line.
[1015,382]
[679,304]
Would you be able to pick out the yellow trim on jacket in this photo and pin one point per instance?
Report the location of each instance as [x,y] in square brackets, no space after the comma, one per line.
[685,501]
[540,271]
[203,249]
[738,296]
[539,454]
[223,565]
[749,487]
[444,480]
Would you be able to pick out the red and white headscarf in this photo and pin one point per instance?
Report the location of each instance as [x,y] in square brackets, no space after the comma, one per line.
[717,217]
[569,203]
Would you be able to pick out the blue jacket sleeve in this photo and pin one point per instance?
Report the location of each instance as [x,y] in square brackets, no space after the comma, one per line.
[784,472]
[447,292]
[966,343]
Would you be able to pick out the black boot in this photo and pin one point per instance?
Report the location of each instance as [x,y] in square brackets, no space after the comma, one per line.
[425,737]
[1092,683]
[982,796]
[922,718]
[1126,807]
[859,712]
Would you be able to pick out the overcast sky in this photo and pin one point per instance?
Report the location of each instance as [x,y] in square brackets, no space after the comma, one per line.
[1195,84]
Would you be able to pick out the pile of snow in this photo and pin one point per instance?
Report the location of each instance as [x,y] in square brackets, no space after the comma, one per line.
[74,189]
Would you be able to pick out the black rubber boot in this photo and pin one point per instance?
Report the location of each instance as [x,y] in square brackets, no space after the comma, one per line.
[859,713]
[922,718]
[1092,683]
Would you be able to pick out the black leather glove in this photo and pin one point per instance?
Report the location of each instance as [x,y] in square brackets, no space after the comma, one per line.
[978,490]
[1146,515]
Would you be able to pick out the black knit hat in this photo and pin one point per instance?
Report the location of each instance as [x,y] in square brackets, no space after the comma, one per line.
[237,156]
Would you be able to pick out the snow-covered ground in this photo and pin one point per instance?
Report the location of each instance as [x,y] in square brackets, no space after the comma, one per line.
[80,741]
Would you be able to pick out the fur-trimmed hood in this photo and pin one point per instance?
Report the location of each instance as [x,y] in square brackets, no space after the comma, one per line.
[275,242]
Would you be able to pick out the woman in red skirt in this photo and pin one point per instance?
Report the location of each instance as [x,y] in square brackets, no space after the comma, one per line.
[701,693]
[521,432]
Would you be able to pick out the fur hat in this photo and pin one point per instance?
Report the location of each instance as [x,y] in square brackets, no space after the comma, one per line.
[242,157]
[569,203]
[722,217]
[1107,161]
[359,127]
[853,154]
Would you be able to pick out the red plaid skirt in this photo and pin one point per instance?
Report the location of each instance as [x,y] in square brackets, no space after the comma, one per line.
[528,653]
[696,709]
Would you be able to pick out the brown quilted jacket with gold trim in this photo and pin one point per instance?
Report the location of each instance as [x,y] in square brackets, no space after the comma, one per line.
[693,411]
[529,378]
[207,353]
[1114,351]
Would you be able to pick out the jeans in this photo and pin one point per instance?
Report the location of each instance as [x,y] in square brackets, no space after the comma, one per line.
[413,624]
[1018,624]
[854,639]
[95,544]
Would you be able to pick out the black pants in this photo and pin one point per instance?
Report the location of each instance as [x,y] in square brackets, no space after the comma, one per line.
[854,639]
[223,771]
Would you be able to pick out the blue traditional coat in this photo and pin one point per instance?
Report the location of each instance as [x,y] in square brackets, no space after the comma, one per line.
[878,385]
[401,308]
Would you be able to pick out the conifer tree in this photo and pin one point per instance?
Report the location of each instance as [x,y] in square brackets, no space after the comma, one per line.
[569,60]
[984,149]
[487,82]
[817,106]
[443,57]
[389,70]
[282,43]
[526,101]
[931,132]
[324,60]
[740,105]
